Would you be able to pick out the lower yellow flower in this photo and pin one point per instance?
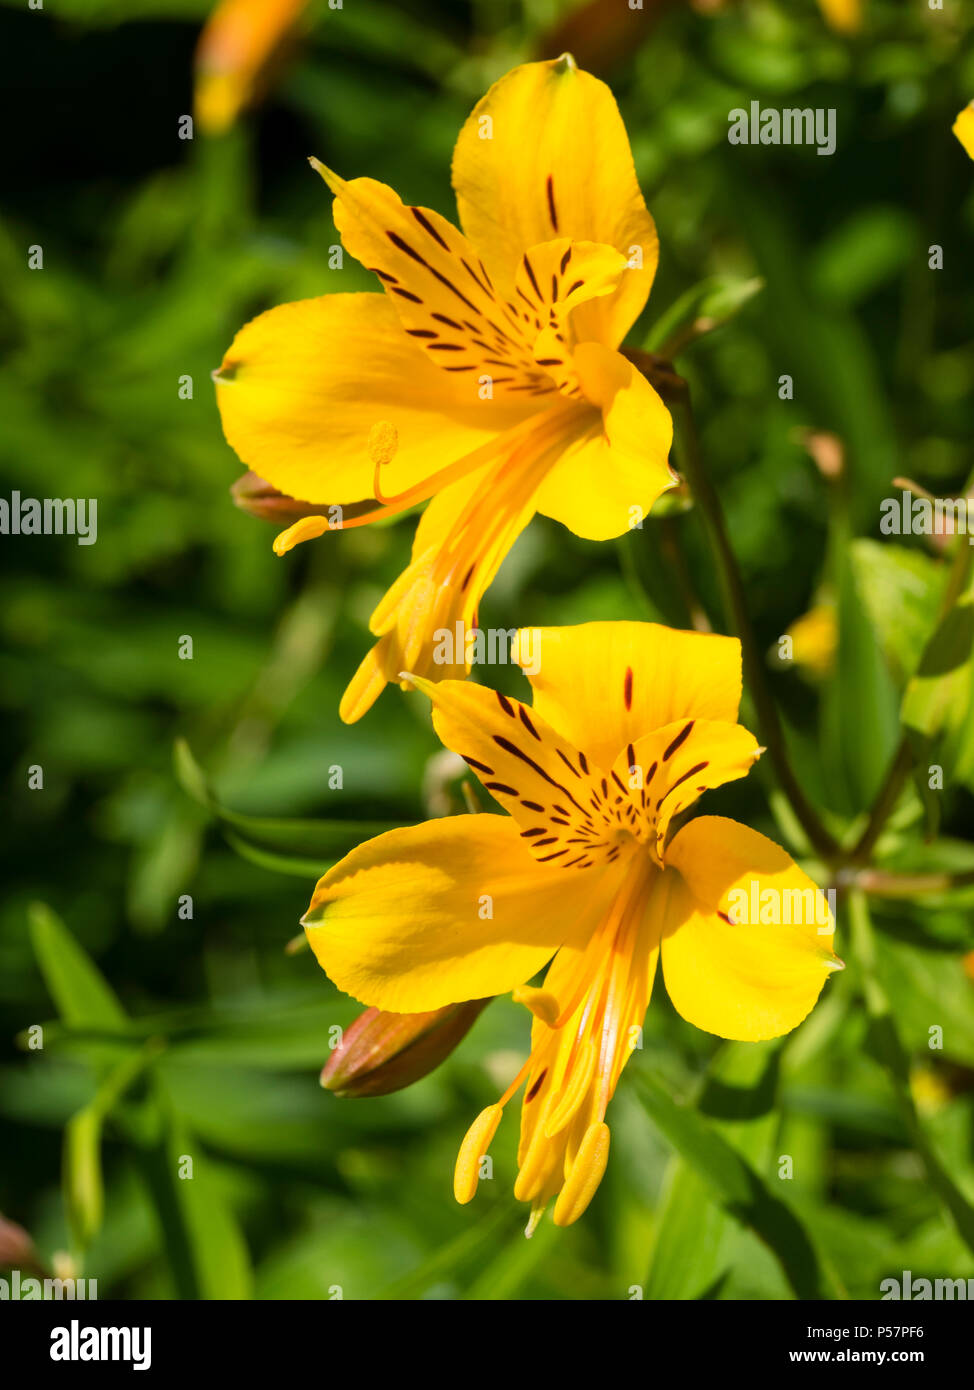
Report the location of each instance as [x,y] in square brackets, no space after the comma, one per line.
[630,723]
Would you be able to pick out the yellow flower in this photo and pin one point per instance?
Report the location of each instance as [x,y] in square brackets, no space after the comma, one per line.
[630,723]
[845,16]
[964,129]
[485,376]
[815,640]
[238,42]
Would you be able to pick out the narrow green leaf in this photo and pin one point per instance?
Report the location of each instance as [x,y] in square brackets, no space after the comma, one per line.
[738,1187]
[205,1245]
[83,997]
[886,1046]
[704,307]
[84,1192]
[321,842]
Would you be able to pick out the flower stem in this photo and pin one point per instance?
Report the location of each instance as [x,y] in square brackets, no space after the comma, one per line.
[886,884]
[676,394]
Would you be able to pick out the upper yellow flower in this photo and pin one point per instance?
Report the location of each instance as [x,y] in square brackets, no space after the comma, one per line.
[485,375]
[630,723]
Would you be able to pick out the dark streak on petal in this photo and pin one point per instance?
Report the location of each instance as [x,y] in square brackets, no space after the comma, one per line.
[427,226]
[681,737]
[481,767]
[531,276]
[552,211]
[527,722]
[536,1086]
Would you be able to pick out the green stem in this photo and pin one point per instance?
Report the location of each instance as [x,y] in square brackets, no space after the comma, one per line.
[676,394]
[883,806]
[883,883]
[888,1047]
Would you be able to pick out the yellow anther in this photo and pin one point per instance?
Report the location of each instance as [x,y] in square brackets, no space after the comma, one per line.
[541,1002]
[475,1144]
[383,442]
[586,1174]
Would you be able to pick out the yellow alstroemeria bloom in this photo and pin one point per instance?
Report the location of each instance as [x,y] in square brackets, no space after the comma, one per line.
[239,41]
[844,16]
[485,376]
[963,128]
[630,723]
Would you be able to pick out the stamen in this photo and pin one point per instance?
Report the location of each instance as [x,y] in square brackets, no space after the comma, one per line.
[475,1144]
[585,1176]
[541,1003]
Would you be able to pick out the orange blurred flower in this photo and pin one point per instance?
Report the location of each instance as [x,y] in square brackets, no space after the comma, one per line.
[238,43]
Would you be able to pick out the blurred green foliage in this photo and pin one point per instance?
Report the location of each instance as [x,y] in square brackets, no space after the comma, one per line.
[207,1041]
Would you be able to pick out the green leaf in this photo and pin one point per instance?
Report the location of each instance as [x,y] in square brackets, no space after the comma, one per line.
[317,843]
[901,590]
[740,1089]
[83,997]
[860,697]
[84,1192]
[207,1251]
[704,307]
[861,253]
[738,1187]
[885,1044]
[939,700]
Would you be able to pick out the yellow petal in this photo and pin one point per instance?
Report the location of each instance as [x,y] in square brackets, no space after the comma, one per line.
[440,290]
[549,787]
[302,386]
[437,913]
[740,978]
[964,129]
[662,774]
[604,685]
[461,541]
[606,483]
[553,280]
[545,154]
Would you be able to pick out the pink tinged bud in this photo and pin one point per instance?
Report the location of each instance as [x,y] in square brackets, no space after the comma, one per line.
[16,1247]
[255,495]
[252,494]
[383,1052]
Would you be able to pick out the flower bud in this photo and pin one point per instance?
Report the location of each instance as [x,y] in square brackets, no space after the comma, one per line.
[383,1052]
[16,1247]
[259,498]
